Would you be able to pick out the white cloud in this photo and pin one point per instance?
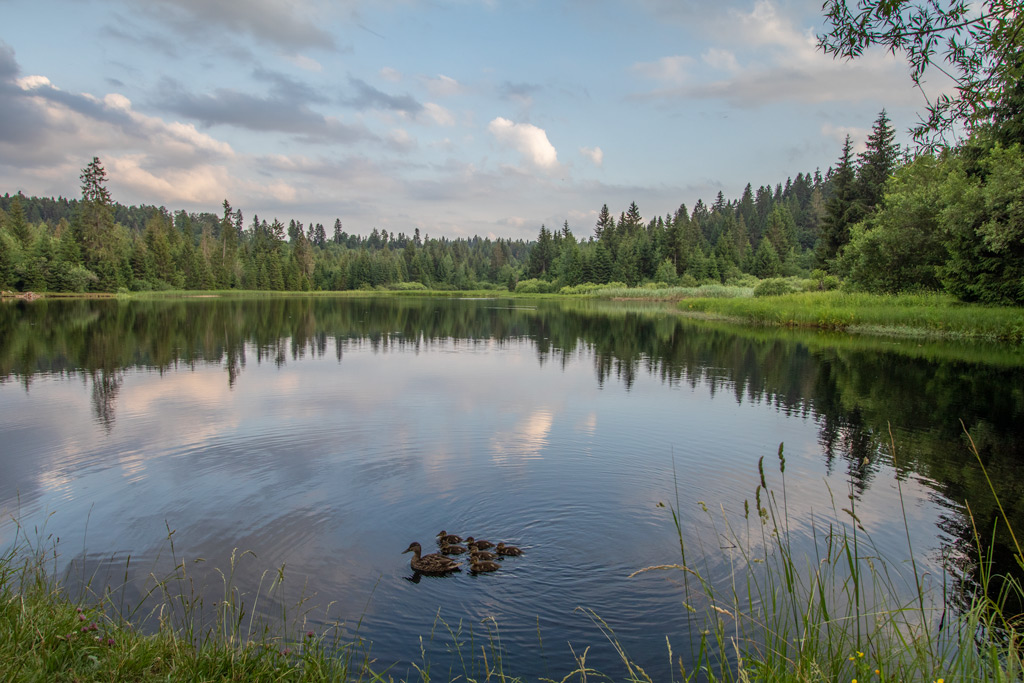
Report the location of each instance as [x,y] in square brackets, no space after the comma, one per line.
[203,184]
[33,82]
[858,136]
[721,59]
[532,142]
[785,65]
[594,154]
[438,114]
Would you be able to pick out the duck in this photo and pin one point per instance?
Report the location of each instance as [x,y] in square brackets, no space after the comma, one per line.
[453,549]
[481,555]
[432,563]
[478,567]
[508,550]
[445,538]
[481,543]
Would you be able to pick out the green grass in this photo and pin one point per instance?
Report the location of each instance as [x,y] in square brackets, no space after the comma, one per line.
[920,315]
[658,293]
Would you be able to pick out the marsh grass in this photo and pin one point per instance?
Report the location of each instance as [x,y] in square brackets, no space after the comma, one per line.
[840,611]
[921,315]
[61,626]
[654,292]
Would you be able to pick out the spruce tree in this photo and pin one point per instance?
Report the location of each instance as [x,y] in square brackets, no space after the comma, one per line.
[841,211]
[877,163]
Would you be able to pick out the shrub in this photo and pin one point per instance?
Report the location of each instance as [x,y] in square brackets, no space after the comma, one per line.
[775,286]
[534,286]
[407,286]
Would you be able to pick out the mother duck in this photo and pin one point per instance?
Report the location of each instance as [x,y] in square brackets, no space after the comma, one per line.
[433,563]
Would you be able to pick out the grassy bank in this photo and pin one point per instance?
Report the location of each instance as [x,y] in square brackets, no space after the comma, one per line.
[935,316]
[920,315]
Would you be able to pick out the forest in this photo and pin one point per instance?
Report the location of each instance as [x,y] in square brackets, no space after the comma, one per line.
[885,220]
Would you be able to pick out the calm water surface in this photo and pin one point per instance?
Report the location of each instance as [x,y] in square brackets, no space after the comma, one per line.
[324,435]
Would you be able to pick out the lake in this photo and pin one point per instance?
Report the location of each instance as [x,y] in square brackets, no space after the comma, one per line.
[323,435]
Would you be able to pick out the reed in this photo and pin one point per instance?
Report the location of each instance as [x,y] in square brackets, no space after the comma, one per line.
[51,632]
[842,611]
[921,315]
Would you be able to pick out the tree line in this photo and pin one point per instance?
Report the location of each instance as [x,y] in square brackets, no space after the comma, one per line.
[96,244]
[884,220]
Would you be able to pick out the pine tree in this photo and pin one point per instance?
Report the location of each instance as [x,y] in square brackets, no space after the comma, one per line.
[604,222]
[95,229]
[841,210]
[877,163]
[17,225]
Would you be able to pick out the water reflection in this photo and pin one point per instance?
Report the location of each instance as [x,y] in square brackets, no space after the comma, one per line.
[300,427]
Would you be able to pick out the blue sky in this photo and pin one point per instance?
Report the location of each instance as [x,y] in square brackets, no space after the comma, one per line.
[460,117]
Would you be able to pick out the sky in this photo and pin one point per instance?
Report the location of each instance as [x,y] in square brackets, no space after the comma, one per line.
[457,117]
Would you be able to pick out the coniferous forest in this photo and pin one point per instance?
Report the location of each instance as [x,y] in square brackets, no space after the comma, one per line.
[885,220]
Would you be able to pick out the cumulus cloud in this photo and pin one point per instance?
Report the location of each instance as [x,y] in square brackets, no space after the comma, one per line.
[595,155]
[785,65]
[529,140]
[201,184]
[149,159]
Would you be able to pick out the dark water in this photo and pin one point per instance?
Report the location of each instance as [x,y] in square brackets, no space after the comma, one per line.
[325,435]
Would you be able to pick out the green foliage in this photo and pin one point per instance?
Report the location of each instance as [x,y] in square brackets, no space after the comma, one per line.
[841,210]
[877,163]
[920,315]
[979,44]
[901,246]
[666,273]
[774,287]
[983,220]
[535,286]
[766,260]
[408,287]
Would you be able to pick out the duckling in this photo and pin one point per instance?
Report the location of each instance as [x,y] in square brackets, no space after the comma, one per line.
[432,563]
[481,543]
[481,555]
[508,550]
[483,566]
[445,538]
[452,549]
